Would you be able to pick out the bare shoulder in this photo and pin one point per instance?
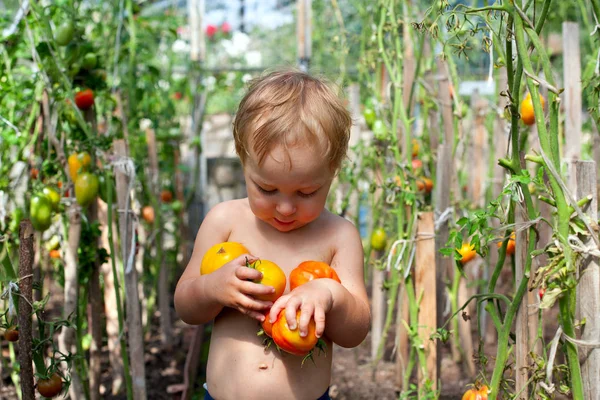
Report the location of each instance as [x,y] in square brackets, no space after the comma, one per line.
[220,218]
[343,232]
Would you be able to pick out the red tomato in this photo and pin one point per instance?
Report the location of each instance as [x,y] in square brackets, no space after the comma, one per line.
[211,30]
[50,387]
[11,334]
[290,340]
[166,196]
[225,27]
[84,99]
[309,270]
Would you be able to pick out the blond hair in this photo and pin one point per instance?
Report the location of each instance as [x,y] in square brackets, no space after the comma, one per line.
[287,108]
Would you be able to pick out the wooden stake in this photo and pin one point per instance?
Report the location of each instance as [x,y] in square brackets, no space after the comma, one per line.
[304,33]
[134,322]
[26,256]
[582,182]
[378,307]
[426,286]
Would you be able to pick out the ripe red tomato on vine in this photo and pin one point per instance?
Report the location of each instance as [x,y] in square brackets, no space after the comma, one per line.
[84,99]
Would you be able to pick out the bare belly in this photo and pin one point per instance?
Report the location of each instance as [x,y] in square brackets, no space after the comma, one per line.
[239,367]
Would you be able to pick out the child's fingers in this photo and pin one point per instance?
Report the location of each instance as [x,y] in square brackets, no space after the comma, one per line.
[279,305]
[292,305]
[252,307]
[256,289]
[319,316]
[306,313]
[247,274]
[244,259]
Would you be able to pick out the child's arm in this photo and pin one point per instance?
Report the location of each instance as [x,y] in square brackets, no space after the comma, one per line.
[340,311]
[200,298]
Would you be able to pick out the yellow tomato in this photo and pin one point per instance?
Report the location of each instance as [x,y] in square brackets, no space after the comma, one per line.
[290,340]
[272,276]
[219,255]
[78,162]
[378,239]
[526,111]
[467,251]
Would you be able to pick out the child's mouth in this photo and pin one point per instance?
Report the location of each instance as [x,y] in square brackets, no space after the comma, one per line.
[283,223]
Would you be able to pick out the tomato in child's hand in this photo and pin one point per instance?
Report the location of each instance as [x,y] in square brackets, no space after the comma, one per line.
[272,276]
[219,255]
[290,340]
[267,326]
[309,270]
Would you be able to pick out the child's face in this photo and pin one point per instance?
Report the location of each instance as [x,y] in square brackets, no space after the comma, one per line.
[288,198]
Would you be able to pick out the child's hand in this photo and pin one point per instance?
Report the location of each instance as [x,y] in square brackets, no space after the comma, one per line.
[234,287]
[314,298]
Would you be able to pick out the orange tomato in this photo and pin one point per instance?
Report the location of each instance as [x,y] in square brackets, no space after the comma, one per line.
[290,340]
[416,164]
[267,326]
[148,214]
[11,334]
[272,276]
[219,255]
[308,270]
[526,111]
[424,184]
[78,162]
[467,251]
[34,172]
[510,246]
[476,393]
[55,254]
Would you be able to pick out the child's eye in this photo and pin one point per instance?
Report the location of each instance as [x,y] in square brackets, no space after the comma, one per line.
[307,195]
[265,191]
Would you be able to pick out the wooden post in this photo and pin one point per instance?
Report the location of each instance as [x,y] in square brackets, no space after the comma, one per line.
[134,323]
[304,33]
[582,183]
[572,93]
[378,307]
[522,321]
[26,255]
[426,286]
[479,151]
[192,362]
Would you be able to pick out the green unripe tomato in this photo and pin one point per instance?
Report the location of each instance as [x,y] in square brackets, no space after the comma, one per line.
[40,212]
[64,33]
[86,188]
[378,239]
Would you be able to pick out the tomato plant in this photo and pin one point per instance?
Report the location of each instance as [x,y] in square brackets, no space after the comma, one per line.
[290,340]
[378,239]
[11,334]
[309,270]
[86,188]
[51,386]
[40,212]
[526,111]
[272,276]
[219,255]
[84,99]
[467,252]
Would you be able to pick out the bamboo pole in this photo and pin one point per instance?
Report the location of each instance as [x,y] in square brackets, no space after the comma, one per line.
[522,322]
[572,93]
[303,33]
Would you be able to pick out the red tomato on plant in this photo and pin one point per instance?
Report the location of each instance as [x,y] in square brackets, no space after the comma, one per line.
[166,196]
[211,30]
[467,251]
[290,340]
[309,270]
[11,334]
[225,27]
[50,387]
[84,99]
[219,255]
[272,276]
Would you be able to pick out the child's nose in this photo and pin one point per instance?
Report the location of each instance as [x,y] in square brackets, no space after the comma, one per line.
[286,208]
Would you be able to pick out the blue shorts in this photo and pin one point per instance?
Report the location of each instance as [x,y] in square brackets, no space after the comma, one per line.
[207,395]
